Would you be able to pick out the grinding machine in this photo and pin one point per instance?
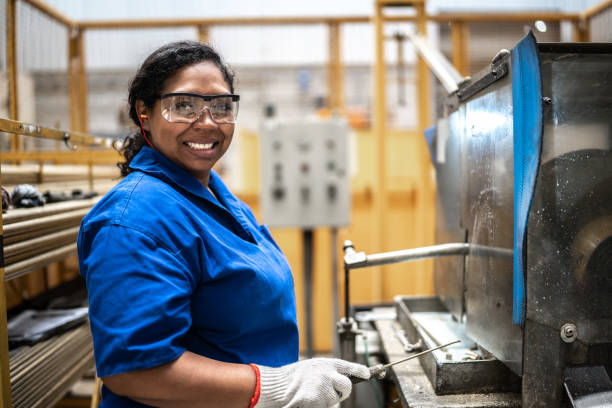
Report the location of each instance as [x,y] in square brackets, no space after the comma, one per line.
[523,261]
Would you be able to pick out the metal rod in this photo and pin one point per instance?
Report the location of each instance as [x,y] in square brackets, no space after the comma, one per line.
[419,354]
[355,260]
[64,219]
[41,241]
[307,255]
[448,76]
[334,267]
[349,250]
[21,268]
[22,128]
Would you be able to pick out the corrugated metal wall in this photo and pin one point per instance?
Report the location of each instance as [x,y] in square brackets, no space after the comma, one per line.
[601,27]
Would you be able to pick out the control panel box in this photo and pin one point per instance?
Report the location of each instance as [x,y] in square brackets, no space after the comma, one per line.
[304,173]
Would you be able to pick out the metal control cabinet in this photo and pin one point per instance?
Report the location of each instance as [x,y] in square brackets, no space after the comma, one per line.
[304,173]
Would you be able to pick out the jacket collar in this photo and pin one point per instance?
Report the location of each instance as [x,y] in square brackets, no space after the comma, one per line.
[152,162]
[157,165]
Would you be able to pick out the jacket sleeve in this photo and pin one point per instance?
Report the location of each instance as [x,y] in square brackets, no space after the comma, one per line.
[139,299]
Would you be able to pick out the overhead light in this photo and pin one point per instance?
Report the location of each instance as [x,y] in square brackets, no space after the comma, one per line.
[540,26]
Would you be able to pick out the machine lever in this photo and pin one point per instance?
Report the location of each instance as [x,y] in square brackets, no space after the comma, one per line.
[379,370]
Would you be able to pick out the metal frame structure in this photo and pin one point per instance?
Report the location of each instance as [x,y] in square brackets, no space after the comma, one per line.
[78,75]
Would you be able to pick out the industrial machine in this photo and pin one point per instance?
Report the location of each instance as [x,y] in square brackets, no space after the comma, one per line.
[523,265]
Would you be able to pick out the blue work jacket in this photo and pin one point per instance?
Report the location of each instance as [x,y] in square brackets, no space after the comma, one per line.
[170,267]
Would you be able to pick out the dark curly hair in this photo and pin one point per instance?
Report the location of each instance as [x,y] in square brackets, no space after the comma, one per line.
[148,82]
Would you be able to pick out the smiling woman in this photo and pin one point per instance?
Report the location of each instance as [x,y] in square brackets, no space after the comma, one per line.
[181,67]
[191,302]
[189,137]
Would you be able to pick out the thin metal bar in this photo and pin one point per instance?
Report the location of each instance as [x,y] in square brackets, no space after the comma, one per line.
[39,223]
[22,268]
[347,312]
[17,215]
[43,371]
[448,76]
[358,260]
[413,254]
[349,251]
[22,128]
[443,346]
[307,242]
[41,241]
[58,388]
[334,270]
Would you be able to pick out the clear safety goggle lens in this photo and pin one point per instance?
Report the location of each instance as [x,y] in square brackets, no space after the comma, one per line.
[187,107]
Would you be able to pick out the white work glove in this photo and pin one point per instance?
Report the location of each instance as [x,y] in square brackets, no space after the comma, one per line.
[313,383]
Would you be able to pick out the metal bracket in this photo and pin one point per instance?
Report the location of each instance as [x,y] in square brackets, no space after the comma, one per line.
[66,139]
[408,347]
[499,69]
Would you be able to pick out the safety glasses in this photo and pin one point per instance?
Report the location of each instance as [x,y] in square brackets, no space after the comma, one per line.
[184,107]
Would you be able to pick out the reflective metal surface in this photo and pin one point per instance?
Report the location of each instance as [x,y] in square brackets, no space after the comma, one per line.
[487,214]
[449,271]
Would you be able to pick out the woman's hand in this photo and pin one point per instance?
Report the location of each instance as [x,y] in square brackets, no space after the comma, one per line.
[313,383]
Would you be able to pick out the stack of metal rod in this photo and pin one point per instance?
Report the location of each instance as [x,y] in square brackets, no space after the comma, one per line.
[35,237]
[42,374]
[57,174]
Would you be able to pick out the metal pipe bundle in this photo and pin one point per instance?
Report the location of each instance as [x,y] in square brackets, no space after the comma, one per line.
[37,237]
[42,374]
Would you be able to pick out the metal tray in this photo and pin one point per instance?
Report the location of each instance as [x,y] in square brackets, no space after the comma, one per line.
[460,368]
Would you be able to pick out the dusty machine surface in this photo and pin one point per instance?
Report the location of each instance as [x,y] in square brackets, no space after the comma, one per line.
[523,163]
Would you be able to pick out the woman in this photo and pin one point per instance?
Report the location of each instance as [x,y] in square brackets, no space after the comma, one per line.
[191,301]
